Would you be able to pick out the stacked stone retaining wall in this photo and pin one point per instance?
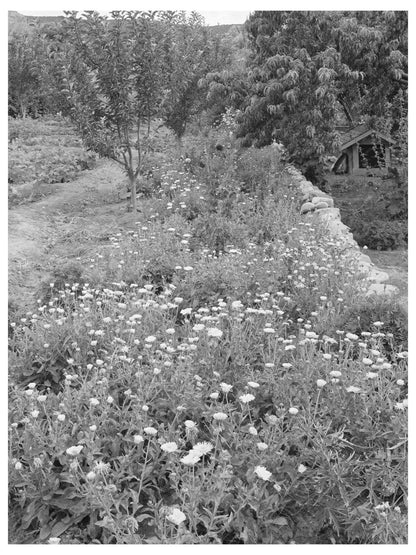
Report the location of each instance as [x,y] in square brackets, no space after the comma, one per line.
[317,204]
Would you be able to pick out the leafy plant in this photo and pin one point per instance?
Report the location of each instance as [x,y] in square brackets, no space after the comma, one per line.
[378,234]
[163,393]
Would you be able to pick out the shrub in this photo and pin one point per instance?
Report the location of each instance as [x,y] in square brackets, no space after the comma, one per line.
[362,315]
[378,234]
[215,231]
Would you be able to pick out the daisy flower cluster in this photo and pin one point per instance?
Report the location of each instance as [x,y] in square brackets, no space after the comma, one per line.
[177,386]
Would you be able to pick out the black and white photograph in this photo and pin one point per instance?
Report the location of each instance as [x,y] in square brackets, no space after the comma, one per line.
[208,275]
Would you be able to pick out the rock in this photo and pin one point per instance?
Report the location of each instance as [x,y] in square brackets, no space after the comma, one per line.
[381,289]
[328,200]
[364,266]
[377,275]
[307,207]
[330,213]
[365,259]
[320,205]
[316,201]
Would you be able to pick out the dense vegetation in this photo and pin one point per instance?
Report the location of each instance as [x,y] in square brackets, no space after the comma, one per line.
[42,153]
[217,374]
[220,365]
[309,71]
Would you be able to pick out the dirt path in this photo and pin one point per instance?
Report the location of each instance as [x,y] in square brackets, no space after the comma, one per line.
[40,232]
[394,263]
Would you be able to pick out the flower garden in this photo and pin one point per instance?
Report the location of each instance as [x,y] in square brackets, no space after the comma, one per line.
[216,376]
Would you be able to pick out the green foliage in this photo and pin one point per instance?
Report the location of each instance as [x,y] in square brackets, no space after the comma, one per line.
[166,393]
[23,84]
[114,80]
[36,54]
[224,89]
[378,234]
[53,166]
[394,200]
[42,152]
[305,65]
[188,56]
[360,316]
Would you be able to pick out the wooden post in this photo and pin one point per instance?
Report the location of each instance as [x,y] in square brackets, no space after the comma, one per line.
[355,158]
[387,156]
[349,161]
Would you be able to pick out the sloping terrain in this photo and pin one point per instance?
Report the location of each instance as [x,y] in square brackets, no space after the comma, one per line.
[49,232]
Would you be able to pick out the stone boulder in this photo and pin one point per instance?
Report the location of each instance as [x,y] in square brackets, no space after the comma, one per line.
[321,205]
[381,289]
[307,207]
[327,200]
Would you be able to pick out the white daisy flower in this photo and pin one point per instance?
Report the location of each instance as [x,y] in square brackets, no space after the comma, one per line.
[262,473]
[246,398]
[74,450]
[176,516]
[169,447]
[220,416]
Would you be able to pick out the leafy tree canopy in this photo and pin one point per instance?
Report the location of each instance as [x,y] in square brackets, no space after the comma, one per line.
[305,66]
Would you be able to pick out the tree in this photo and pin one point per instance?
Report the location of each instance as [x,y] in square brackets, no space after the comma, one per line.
[305,65]
[225,84]
[23,78]
[114,79]
[186,59]
[36,55]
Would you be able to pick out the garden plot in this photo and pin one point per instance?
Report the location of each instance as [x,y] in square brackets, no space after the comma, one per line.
[205,374]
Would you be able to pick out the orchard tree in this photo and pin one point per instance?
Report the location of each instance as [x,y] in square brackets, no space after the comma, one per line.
[114,79]
[193,52]
[52,56]
[225,84]
[305,66]
[24,84]
[224,90]
[186,59]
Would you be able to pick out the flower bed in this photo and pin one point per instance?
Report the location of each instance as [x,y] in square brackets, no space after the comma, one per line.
[195,390]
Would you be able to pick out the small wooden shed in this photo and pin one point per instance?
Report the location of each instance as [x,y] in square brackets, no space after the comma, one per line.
[363,151]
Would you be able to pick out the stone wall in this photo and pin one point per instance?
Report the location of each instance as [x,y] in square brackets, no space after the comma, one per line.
[317,204]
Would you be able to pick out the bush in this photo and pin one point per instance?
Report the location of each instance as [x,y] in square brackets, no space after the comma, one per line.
[215,231]
[362,315]
[378,234]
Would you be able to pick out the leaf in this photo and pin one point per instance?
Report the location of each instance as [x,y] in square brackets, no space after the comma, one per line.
[60,527]
[45,531]
[143,517]
[281,521]
[68,504]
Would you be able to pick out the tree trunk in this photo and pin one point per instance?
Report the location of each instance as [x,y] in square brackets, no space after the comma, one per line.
[179,142]
[132,202]
[23,110]
[346,109]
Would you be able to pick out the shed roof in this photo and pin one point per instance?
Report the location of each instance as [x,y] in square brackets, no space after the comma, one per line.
[361,132]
